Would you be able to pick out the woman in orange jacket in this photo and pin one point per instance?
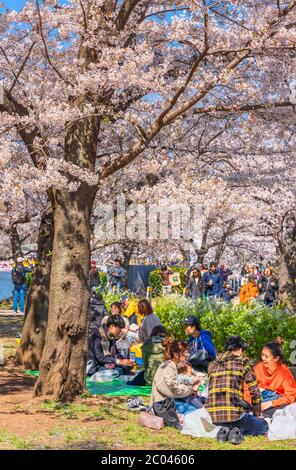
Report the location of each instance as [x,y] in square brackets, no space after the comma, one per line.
[249,291]
[275,380]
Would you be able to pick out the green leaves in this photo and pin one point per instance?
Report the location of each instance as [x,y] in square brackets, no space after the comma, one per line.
[257,324]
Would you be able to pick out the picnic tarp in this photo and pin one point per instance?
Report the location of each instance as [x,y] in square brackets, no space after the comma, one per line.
[114,388]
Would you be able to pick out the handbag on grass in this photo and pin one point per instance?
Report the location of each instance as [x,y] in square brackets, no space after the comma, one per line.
[150,420]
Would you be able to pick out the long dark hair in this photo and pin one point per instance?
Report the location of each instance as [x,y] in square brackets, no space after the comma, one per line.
[145,307]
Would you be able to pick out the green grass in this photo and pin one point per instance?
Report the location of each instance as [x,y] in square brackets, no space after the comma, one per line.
[11,441]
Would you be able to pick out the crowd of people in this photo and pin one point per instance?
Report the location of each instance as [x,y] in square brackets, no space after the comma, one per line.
[239,396]
[255,283]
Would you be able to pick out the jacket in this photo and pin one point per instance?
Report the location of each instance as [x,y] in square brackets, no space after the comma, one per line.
[152,355]
[147,325]
[203,342]
[225,273]
[215,289]
[195,290]
[98,311]
[167,385]
[102,350]
[280,381]
[225,394]
[248,291]
[270,291]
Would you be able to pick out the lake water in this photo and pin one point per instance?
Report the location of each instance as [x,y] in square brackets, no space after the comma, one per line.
[5,285]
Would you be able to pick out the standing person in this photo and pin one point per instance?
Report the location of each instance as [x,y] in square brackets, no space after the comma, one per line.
[249,291]
[149,321]
[165,273]
[268,287]
[196,286]
[115,276]
[276,381]
[94,276]
[225,272]
[201,348]
[18,276]
[227,375]
[213,281]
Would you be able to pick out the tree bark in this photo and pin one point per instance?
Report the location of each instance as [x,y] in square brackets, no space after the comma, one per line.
[62,367]
[15,241]
[286,254]
[30,350]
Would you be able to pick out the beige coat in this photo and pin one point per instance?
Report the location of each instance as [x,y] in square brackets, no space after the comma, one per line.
[166,384]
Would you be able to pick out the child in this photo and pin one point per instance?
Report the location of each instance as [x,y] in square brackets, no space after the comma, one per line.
[185,375]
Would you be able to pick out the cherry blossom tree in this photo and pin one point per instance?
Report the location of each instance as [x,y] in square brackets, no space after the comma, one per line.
[90,86]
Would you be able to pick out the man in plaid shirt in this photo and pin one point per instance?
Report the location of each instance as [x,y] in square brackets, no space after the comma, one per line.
[227,375]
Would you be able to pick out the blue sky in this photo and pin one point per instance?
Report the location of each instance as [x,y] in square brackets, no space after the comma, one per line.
[13,4]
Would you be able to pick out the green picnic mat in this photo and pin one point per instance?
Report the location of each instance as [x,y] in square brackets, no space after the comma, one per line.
[115,388]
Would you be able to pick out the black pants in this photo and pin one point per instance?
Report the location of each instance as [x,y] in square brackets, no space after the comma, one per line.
[138,379]
[270,412]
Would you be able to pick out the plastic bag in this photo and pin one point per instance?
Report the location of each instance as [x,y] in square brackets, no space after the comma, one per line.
[199,424]
[105,375]
[283,424]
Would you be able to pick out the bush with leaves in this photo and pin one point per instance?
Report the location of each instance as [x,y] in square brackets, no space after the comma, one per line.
[257,324]
[155,281]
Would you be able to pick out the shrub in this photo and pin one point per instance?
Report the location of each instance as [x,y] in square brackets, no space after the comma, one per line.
[257,324]
[103,279]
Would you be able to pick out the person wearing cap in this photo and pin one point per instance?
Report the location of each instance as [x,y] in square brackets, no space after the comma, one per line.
[199,340]
[213,281]
[18,276]
[94,276]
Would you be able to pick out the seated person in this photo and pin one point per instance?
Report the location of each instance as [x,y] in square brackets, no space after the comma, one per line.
[98,310]
[227,293]
[152,355]
[123,343]
[199,340]
[165,383]
[103,352]
[249,291]
[276,381]
[130,311]
[149,321]
[227,375]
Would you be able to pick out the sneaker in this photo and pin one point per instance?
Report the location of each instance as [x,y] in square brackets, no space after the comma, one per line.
[235,436]
[222,434]
[136,404]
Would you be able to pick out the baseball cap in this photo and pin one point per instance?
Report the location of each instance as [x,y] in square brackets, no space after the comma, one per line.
[192,320]
[123,298]
[20,259]
[93,262]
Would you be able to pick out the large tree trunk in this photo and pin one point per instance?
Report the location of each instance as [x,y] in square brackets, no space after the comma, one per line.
[30,350]
[62,367]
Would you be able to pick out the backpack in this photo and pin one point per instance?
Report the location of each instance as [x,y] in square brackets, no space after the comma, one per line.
[18,276]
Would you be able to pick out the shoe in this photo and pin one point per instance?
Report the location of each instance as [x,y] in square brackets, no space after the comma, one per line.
[222,434]
[235,436]
[136,404]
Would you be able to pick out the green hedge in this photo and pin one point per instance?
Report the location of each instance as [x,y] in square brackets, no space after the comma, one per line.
[256,324]
[155,281]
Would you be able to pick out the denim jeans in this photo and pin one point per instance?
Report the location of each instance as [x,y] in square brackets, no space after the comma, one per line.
[248,424]
[118,286]
[19,293]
